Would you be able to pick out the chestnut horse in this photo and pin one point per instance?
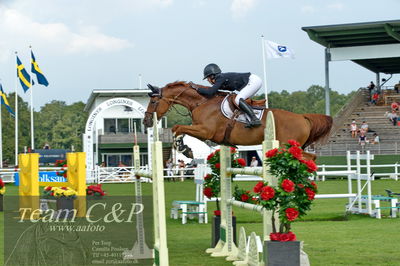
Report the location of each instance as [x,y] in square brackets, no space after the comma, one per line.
[208,122]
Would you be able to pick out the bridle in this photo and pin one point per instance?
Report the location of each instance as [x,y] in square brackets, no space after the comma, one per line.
[170,102]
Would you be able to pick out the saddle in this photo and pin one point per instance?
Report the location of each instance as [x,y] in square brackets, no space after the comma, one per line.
[255,104]
[231,111]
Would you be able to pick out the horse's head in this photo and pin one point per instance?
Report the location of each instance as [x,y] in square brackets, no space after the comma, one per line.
[162,99]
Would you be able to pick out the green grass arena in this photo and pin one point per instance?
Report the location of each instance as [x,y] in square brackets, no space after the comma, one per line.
[330,237]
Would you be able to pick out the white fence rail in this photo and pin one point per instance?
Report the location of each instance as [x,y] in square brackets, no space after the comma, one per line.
[392,174]
[125,174]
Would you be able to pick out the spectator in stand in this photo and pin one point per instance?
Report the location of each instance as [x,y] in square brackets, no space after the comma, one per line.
[393,117]
[395,106]
[46,146]
[353,129]
[364,127]
[397,87]
[362,139]
[376,139]
[375,98]
[371,87]
[254,162]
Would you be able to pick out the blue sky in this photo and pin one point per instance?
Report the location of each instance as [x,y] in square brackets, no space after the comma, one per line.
[82,45]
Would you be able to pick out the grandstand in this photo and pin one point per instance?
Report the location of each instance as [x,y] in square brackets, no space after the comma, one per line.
[359,109]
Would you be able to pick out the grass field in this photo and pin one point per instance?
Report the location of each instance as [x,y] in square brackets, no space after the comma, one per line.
[330,236]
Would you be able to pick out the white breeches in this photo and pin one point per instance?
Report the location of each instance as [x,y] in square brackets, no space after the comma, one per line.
[250,89]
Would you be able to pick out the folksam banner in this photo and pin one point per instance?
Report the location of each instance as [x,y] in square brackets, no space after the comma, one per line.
[44,177]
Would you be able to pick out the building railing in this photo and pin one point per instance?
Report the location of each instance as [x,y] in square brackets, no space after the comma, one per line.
[165,136]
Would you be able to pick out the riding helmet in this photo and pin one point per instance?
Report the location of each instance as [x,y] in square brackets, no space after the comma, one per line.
[211,69]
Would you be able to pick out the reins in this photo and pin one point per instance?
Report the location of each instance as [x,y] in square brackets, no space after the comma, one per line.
[175,100]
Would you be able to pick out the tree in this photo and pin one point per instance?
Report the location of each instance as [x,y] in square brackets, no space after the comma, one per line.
[310,101]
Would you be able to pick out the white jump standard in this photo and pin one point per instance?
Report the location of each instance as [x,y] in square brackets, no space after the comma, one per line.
[157,174]
[226,247]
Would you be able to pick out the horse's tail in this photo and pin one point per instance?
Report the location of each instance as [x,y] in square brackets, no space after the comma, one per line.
[321,126]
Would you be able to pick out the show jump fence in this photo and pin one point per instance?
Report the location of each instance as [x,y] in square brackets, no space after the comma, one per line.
[226,247]
[29,183]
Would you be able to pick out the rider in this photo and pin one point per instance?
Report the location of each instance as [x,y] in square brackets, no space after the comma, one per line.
[246,83]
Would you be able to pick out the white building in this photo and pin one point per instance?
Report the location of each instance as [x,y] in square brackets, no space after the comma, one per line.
[109,132]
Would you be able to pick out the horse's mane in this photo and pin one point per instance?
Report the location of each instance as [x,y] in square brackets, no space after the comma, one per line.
[176,83]
[182,83]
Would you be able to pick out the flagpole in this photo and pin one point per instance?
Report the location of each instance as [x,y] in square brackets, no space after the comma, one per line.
[1,136]
[32,129]
[265,71]
[16,118]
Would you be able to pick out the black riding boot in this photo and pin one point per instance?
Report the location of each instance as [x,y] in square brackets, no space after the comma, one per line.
[254,122]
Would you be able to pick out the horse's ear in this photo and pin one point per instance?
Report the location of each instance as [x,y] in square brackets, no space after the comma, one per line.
[154,90]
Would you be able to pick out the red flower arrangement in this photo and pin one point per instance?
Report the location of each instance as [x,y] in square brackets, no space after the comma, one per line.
[287,185]
[289,236]
[217,213]
[243,195]
[294,194]
[95,190]
[212,181]
[2,187]
[267,193]
[62,164]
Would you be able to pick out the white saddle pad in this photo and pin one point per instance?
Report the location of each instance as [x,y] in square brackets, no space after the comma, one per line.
[242,118]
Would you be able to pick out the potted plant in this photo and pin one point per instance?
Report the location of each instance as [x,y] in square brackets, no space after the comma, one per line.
[64,199]
[2,192]
[290,199]
[212,188]
[95,191]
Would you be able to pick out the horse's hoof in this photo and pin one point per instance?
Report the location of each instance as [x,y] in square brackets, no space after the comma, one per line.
[188,152]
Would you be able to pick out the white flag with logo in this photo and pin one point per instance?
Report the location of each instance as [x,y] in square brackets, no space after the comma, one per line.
[275,50]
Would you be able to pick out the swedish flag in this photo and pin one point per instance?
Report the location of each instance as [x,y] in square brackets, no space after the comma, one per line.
[39,75]
[4,100]
[23,76]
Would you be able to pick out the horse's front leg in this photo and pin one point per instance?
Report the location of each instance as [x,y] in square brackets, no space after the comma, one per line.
[180,130]
[197,131]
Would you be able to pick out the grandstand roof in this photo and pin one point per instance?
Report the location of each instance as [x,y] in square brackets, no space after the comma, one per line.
[367,36]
